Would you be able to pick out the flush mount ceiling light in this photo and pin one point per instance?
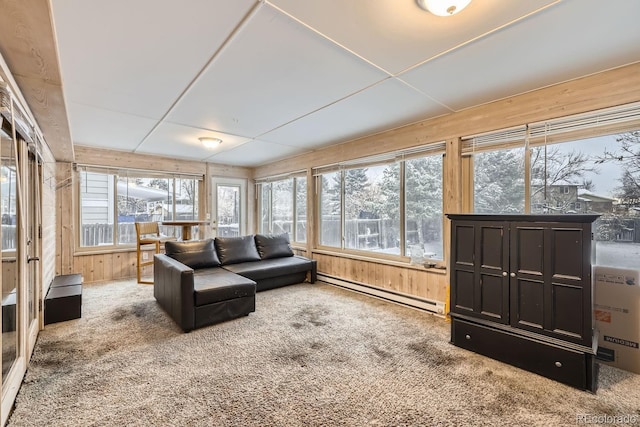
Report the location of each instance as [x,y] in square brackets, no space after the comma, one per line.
[209,142]
[443,7]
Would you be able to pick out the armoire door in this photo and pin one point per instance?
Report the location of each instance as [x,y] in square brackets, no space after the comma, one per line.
[551,283]
[479,278]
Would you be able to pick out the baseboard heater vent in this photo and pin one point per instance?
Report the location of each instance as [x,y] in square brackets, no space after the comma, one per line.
[435,307]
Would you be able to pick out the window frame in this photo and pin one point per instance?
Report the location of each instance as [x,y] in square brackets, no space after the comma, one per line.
[268,182]
[434,149]
[602,122]
[114,174]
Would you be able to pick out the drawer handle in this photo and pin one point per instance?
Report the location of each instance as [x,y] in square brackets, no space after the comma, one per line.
[468,336]
[558,364]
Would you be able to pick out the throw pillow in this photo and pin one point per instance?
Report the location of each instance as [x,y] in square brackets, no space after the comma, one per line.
[195,253]
[273,246]
[233,250]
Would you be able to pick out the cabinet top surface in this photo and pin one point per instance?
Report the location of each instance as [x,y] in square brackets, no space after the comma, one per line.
[524,217]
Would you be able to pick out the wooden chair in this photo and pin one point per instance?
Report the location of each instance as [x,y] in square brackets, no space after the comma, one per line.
[148,233]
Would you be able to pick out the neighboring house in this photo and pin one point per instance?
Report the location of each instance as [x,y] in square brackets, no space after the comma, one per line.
[557,199]
[595,203]
[568,198]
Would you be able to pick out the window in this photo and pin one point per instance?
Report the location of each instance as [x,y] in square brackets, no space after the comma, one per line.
[604,179]
[8,196]
[301,209]
[386,206]
[498,171]
[583,164]
[499,181]
[423,205]
[330,200]
[111,203]
[284,207]
[371,207]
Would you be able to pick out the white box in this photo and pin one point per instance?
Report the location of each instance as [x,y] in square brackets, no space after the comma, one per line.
[617,315]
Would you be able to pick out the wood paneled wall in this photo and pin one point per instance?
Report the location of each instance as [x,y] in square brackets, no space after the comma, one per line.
[49,220]
[29,47]
[9,275]
[407,280]
[126,160]
[65,218]
[108,266]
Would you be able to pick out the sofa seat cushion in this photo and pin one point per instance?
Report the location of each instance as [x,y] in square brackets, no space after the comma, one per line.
[268,268]
[216,284]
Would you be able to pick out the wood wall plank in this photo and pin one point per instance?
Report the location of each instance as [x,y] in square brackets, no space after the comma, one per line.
[404,280]
[65,215]
[9,275]
[127,160]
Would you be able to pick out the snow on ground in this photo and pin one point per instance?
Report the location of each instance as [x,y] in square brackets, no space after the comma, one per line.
[618,254]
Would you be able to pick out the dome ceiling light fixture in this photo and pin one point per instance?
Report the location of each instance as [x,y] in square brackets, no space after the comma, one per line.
[443,7]
[209,142]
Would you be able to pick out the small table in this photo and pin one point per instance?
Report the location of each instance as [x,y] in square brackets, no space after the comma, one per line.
[186,226]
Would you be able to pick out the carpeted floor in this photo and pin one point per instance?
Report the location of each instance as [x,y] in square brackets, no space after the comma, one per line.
[310,355]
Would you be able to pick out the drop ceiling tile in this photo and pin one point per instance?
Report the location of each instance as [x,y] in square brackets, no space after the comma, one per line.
[398,34]
[569,40]
[272,72]
[173,140]
[108,129]
[386,105]
[137,56]
[255,153]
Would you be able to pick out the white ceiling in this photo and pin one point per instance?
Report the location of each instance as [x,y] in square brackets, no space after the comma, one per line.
[276,78]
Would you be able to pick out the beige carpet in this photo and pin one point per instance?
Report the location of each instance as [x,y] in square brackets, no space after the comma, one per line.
[310,355]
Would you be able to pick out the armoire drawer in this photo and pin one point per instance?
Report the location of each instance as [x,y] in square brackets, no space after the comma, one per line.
[565,365]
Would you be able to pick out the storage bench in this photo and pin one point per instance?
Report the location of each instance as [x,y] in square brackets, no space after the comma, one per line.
[64,299]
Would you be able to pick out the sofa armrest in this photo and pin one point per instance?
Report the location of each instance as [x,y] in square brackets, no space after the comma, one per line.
[173,288]
[313,274]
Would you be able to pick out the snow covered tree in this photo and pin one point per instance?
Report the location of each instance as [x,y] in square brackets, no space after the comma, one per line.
[499,181]
[356,185]
[628,157]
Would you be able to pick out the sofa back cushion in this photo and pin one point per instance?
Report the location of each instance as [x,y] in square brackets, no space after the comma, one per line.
[233,250]
[193,253]
[273,246]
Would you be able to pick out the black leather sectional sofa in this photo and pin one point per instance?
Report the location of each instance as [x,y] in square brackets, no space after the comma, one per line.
[203,282]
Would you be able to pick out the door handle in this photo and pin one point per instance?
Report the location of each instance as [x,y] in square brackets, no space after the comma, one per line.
[35,258]
[513,275]
[504,273]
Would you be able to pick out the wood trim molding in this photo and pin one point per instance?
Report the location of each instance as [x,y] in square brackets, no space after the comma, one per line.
[128,160]
[607,89]
[28,46]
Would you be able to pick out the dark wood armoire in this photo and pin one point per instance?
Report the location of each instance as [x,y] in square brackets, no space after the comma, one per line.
[521,292]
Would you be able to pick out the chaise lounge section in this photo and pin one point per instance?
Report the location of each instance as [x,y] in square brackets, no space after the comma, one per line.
[199,283]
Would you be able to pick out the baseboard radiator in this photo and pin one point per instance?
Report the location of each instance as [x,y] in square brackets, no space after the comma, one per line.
[436,307]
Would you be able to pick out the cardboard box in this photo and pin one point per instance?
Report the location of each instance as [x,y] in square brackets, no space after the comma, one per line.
[617,316]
